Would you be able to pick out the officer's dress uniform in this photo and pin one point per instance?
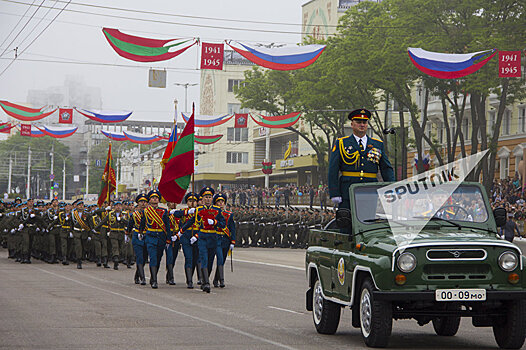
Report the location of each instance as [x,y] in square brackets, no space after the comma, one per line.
[30,219]
[66,227]
[227,238]
[96,238]
[172,249]
[156,226]
[358,163]
[53,233]
[104,230]
[117,222]
[138,243]
[81,230]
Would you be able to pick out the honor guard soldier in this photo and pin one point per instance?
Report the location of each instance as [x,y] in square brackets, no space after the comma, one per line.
[66,227]
[117,221]
[172,245]
[358,158]
[210,220]
[156,225]
[53,230]
[139,247]
[30,219]
[227,239]
[81,228]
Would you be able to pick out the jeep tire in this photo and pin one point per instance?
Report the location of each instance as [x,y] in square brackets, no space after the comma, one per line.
[376,317]
[325,313]
[511,332]
[447,326]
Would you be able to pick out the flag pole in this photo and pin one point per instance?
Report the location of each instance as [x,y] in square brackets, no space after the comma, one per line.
[193,172]
[108,177]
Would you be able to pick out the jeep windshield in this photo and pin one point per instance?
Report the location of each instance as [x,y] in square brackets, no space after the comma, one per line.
[446,202]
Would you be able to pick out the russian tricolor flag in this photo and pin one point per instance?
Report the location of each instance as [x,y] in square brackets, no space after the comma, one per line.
[449,66]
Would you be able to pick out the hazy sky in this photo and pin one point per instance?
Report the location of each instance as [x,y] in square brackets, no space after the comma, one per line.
[77,36]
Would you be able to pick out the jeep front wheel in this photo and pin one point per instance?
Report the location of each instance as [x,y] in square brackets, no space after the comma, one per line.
[511,332]
[447,325]
[325,313]
[376,317]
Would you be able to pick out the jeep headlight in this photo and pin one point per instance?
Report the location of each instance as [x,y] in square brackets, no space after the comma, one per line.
[508,261]
[406,262]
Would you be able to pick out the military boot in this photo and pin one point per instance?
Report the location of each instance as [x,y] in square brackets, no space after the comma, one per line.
[199,275]
[65,260]
[128,263]
[115,263]
[99,262]
[105,263]
[53,259]
[215,282]
[153,276]
[136,278]
[170,275]
[140,268]
[79,264]
[188,273]
[221,270]
[206,281]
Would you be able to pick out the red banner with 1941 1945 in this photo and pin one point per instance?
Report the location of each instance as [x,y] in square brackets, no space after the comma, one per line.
[212,56]
[509,64]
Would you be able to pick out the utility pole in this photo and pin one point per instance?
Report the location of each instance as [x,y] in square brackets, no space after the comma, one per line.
[51,177]
[10,172]
[185,85]
[267,154]
[87,174]
[28,188]
[63,179]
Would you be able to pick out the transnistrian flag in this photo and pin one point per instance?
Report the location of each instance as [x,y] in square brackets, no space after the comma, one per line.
[109,181]
[179,168]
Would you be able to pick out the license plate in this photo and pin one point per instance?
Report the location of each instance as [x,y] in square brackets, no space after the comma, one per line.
[460,295]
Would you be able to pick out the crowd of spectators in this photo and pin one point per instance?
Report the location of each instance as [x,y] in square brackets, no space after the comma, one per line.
[507,193]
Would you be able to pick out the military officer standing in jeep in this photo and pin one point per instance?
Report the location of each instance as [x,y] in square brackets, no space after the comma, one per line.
[358,157]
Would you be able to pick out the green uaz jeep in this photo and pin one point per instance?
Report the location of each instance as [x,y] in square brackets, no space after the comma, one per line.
[455,267]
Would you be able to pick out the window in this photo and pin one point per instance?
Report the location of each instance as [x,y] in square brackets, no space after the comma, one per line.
[233,83]
[491,119]
[236,108]
[237,157]
[522,119]
[440,132]
[504,167]
[506,121]
[237,134]
[465,127]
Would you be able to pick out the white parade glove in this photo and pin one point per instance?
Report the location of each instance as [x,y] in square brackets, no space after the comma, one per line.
[172,212]
[193,240]
[126,238]
[167,245]
[89,239]
[210,221]
[139,236]
[1,215]
[191,210]
[179,234]
[21,226]
[231,247]
[32,215]
[336,200]
[118,218]
[70,235]
[13,230]
[55,217]
[174,238]
[108,234]
[108,207]
[38,230]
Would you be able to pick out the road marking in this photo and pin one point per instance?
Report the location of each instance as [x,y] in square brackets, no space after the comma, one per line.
[270,264]
[219,325]
[286,310]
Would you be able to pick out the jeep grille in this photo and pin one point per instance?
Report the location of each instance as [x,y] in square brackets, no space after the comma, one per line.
[455,254]
[457,272]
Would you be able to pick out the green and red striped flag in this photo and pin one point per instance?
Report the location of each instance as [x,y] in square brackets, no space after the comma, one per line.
[24,113]
[109,181]
[207,140]
[179,168]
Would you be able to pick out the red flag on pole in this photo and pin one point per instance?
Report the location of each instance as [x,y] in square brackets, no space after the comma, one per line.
[25,129]
[65,115]
[179,168]
[109,181]
[241,120]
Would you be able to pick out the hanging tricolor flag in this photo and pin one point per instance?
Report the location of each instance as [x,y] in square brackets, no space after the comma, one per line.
[449,66]
[109,181]
[142,139]
[207,140]
[6,128]
[65,115]
[141,49]
[25,113]
[178,171]
[278,121]
[115,136]
[104,116]
[58,132]
[170,146]
[241,120]
[207,121]
[279,58]
[31,131]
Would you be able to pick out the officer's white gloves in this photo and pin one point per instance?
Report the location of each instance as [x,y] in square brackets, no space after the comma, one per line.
[172,212]
[118,218]
[21,226]
[55,217]
[231,247]
[70,235]
[336,200]
[108,207]
[89,239]
[108,234]
[32,215]
[210,221]
[179,234]
[193,240]
[126,238]
[174,238]
[140,236]
[38,230]
[191,210]
[13,230]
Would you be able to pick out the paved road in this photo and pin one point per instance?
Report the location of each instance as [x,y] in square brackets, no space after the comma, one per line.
[59,307]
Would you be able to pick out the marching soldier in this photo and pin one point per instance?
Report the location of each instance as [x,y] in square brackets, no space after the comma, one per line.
[173,244]
[29,220]
[66,235]
[81,228]
[358,158]
[139,247]
[117,221]
[227,239]
[53,230]
[156,225]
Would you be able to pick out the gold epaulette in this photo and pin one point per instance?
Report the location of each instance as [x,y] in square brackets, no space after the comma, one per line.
[372,138]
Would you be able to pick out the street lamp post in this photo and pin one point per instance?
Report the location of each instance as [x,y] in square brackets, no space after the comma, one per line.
[185,85]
